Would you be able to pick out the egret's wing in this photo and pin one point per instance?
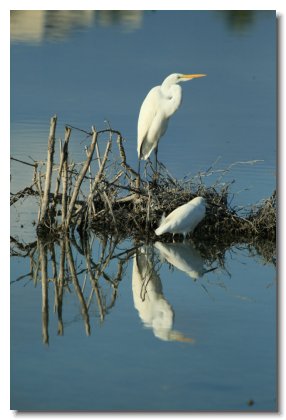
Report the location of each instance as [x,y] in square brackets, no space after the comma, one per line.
[177,214]
[172,220]
[147,114]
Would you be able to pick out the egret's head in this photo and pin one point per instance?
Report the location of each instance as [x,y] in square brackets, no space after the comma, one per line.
[186,77]
[178,78]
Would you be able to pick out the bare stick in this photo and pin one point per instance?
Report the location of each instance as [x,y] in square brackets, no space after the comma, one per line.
[64,153]
[80,179]
[39,185]
[100,172]
[125,164]
[21,161]
[65,173]
[98,155]
[110,209]
[123,157]
[65,189]
[90,186]
[89,170]
[51,150]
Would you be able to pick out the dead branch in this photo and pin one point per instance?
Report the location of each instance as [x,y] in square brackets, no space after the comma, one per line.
[51,150]
[80,179]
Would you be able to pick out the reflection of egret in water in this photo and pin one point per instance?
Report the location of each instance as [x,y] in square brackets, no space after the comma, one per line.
[183,256]
[153,308]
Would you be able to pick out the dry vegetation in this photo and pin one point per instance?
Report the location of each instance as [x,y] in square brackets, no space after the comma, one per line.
[106,195]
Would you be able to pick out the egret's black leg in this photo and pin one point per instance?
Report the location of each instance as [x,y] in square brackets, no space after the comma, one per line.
[156,158]
[155,176]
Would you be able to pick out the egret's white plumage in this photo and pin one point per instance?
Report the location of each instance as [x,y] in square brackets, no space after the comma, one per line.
[183,219]
[158,106]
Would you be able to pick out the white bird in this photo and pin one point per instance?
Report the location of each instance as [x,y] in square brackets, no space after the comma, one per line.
[183,219]
[158,106]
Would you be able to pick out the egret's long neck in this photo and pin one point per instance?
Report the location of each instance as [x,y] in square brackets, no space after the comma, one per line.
[167,84]
[173,94]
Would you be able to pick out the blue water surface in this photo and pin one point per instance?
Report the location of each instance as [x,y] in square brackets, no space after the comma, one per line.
[201,340]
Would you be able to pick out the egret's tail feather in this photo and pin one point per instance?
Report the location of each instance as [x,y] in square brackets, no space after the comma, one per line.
[160,229]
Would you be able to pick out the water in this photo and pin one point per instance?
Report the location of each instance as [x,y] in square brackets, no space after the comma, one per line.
[216,348]
[183,338]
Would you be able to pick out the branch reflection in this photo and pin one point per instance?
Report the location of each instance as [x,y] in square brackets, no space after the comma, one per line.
[77,270]
[87,272]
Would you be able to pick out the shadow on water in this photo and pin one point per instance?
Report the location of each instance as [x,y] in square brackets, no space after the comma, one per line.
[81,268]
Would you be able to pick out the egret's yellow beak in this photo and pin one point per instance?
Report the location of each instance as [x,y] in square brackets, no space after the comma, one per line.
[192,76]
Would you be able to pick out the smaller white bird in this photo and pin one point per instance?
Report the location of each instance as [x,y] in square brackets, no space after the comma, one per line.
[183,219]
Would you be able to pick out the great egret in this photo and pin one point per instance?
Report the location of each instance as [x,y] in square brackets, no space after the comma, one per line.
[158,106]
[183,219]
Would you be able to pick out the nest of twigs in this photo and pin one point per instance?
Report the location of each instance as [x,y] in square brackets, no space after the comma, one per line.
[106,195]
[140,217]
